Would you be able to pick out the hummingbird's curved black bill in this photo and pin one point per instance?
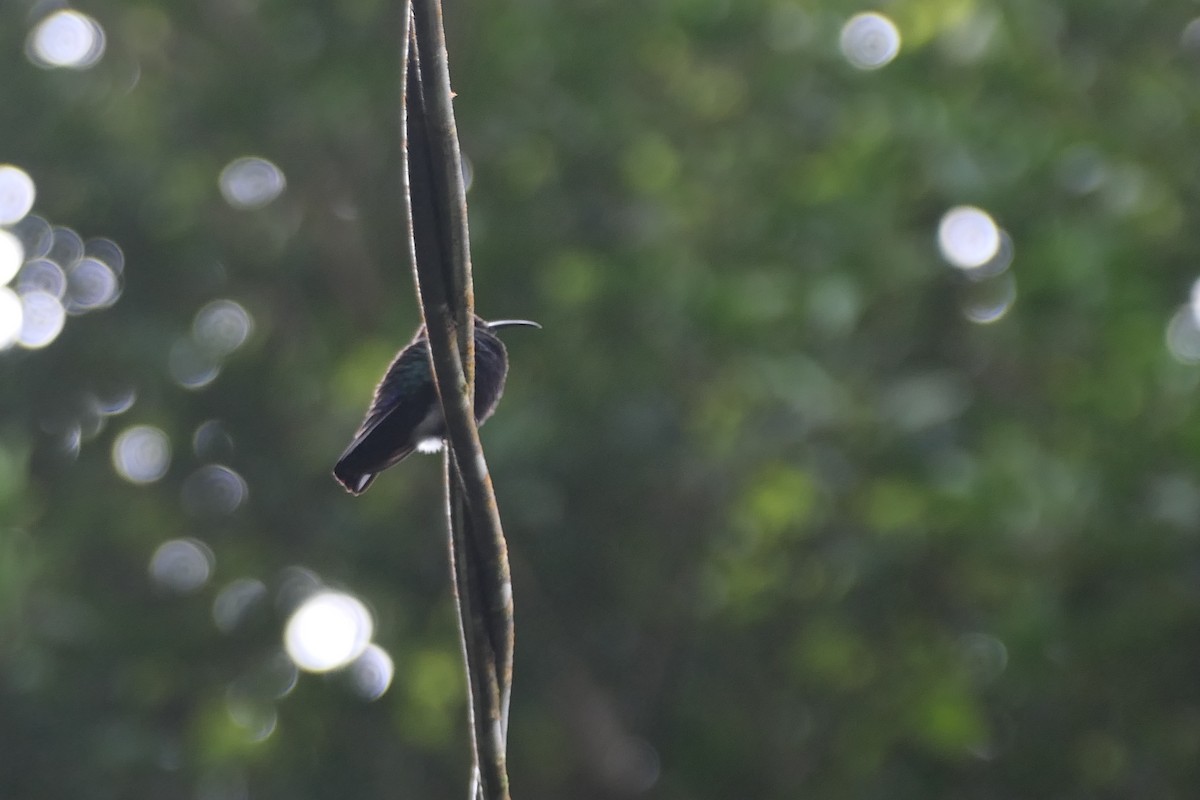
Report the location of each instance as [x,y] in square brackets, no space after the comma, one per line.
[512,323]
[405,414]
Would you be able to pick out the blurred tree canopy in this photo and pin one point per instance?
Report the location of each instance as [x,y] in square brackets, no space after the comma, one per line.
[856,458]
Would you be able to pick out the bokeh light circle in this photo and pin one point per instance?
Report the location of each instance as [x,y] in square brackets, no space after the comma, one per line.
[115,399]
[296,584]
[251,182]
[42,275]
[66,246]
[182,565]
[91,285]
[1194,300]
[985,656]
[35,233]
[1190,38]
[12,256]
[222,326]
[12,315]
[1183,336]
[371,673]
[213,489]
[990,300]
[107,252]
[630,764]
[870,40]
[211,440]
[43,321]
[17,194]
[192,366]
[235,600]
[328,631]
[141,454]
[257,717]
[67,39]
[968,237]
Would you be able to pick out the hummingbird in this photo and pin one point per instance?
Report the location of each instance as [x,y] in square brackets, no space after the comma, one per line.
[405,414]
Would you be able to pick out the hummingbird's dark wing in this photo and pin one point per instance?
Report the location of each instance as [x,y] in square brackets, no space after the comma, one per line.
[399,418]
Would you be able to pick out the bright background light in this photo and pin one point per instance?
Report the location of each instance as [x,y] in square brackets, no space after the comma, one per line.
[222,326]
[43,319]
[1183,336]
[91,285]
[141,454]
[328,631]
[870,41]
[251,182]
[12,315]
[968,237]
[17,193]
[12,255]
[66,39]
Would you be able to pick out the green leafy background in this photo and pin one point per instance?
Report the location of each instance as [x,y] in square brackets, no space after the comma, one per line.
[784,521]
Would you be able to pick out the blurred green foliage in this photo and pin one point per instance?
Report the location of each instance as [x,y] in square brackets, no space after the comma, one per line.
[784,520]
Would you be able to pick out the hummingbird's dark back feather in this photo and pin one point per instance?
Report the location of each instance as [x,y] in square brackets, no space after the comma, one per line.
[402,401]
[408,376]
[406,412]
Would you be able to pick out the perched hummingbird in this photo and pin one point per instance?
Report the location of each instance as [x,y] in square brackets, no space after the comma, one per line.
[406,415]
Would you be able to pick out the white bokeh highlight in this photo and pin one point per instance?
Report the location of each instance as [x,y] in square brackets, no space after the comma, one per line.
[141,454]
[43,317]
[1183,335]
[869,41]
[222,326]
[41,275]
[66,39]
[968,237]
[1194,300]
[251,182]
[12,256]
[17,194]
[91,285]
[12,317]
[328,631]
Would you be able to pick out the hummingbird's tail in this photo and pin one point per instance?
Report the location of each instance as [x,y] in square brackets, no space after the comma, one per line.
[355,481]
[368,455]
